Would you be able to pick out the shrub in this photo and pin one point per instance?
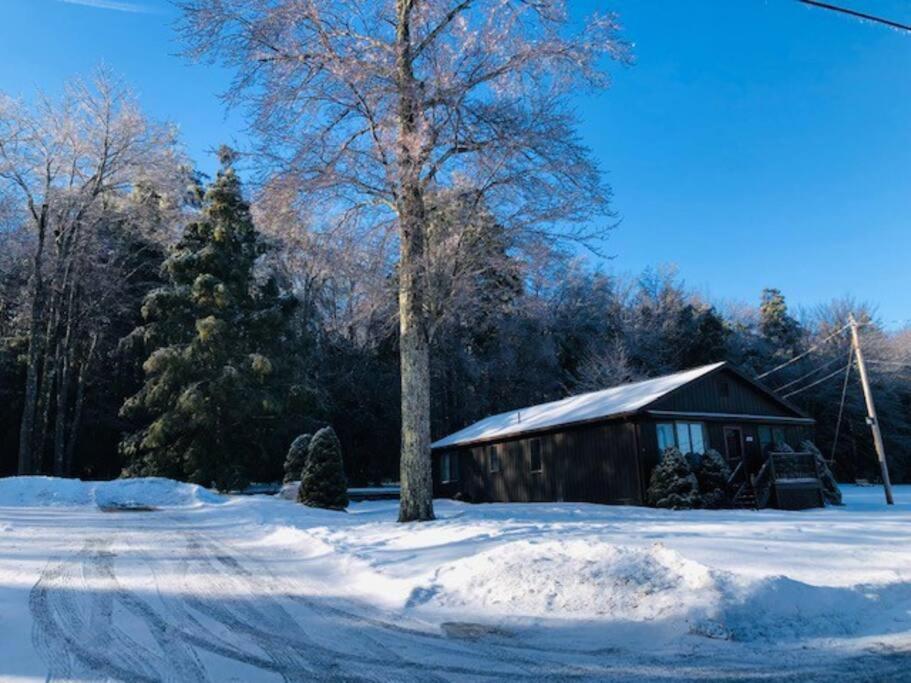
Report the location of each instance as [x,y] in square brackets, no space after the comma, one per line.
[673,484]
[297,458]
[323,483]
[713,473]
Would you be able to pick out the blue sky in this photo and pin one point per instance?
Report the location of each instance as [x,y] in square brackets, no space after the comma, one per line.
[754,143]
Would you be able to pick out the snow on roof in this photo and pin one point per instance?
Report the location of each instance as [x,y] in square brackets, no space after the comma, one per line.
[625,398]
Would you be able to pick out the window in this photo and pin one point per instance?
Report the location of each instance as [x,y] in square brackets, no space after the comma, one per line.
[536,464]
[689,437]
[770,437]
[683,437]
[493,459]
[449,468]
[697,438]
[665,436]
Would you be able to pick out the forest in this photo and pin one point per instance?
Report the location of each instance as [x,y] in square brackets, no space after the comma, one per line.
[106,233]
[415,237]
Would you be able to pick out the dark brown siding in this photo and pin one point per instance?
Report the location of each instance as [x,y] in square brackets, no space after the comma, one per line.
[596,463]
[611,461]
[708,395]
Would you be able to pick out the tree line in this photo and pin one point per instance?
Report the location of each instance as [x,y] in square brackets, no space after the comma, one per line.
[193,329]
[417,194]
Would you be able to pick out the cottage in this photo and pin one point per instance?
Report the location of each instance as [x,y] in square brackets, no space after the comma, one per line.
[601,447]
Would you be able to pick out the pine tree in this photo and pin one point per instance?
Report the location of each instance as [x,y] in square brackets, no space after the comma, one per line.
[214,333]
[323,484]
[713,473]
[297,458]
[776,324]
[673,484]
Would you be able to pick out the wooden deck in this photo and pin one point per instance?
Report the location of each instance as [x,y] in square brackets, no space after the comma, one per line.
[787,481]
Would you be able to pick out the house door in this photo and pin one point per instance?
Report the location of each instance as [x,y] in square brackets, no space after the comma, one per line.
[733,445]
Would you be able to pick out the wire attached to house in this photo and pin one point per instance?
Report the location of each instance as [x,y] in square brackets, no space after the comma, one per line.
[805,353]
[813,384]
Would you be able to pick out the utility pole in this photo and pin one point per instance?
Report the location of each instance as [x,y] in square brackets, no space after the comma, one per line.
[871,408]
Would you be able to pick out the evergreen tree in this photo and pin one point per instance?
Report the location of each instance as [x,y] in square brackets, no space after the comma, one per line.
[323,484]
[297,458]
[713,473]
[214,333]
[673,484]
[776,324]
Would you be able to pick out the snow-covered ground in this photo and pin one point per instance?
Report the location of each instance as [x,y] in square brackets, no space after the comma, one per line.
[259,588]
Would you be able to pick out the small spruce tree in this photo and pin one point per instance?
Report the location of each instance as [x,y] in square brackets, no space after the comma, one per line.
[712,473]
[673,484]
[323,483]
[830,489]
[215,334]
[297,458]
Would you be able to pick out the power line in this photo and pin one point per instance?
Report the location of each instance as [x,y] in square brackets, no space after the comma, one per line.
[805,376]
[857,15]
[819,381]
[889,362]
[804,354]
[841,407]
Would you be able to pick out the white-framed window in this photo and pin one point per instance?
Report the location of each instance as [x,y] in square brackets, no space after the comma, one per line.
[536,462]
[688,437]
[493,459]
[449,468]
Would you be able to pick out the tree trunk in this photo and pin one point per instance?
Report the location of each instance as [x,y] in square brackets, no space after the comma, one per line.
[65,363]
[76,422]
[416,503]
[35,351]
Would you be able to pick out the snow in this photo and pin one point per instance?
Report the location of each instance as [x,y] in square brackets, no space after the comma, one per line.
[151,491]
[595,405]
[255,586]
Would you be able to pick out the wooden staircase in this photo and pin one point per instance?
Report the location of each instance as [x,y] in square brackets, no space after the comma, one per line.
[788,481]
[744,497]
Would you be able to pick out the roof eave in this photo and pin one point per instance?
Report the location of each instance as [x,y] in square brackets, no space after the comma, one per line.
[540,430]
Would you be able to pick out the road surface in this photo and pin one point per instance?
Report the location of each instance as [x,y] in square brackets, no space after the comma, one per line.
[171,596]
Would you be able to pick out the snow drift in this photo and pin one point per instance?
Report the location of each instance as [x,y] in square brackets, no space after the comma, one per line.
[578,578]
[589,579]
[150,491]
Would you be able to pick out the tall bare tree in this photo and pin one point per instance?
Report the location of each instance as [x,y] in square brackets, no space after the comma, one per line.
[71,162]
[369,105]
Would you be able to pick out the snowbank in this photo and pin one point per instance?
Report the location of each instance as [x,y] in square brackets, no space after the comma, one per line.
[578,578]
[593,580]
[150,491]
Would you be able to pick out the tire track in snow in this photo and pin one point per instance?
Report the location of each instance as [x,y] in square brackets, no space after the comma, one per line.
[358,661]
[433,646]
[74,627]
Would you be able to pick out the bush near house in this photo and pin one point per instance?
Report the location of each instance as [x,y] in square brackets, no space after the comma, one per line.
[323,483]
[673,484]
[712,472]
[297,458]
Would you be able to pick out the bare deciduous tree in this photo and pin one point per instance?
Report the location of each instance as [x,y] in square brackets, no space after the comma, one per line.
[70,163]
[370,105]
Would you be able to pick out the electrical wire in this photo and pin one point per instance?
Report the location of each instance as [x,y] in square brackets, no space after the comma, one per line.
[805,353]
[841,407]
[819,381]
[809,374]
[888,362]
[859,15]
